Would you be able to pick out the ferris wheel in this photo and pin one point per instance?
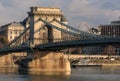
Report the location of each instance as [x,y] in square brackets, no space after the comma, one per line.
[84,26]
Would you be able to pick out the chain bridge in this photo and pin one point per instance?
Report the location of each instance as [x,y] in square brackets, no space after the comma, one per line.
[70,38]
[47,36]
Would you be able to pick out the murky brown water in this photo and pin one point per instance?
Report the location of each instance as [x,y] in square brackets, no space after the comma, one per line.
[77,74]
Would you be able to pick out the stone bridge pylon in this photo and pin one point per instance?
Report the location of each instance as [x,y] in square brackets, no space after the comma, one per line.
[41,33]
[45,33]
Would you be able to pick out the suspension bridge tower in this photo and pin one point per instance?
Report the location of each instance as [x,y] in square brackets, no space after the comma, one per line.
[41,33]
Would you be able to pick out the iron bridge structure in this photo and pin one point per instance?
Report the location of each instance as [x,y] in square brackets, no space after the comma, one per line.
[72,38]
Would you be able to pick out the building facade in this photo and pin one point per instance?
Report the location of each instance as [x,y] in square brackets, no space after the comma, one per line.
[112,30]
[10,32]
[95,31]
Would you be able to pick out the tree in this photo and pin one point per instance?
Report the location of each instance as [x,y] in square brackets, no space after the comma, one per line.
[3,41]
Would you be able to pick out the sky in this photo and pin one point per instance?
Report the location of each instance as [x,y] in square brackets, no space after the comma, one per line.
[93,12]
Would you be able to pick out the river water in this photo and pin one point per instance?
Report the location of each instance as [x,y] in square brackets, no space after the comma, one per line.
[77,74]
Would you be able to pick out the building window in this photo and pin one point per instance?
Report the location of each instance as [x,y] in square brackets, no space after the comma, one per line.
[114,35]
[15,37]
[10,37]
[19,32]
[15,32]
[10,32]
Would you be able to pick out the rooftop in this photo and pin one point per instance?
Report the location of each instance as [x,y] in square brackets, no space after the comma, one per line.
[12,24]
[45,10]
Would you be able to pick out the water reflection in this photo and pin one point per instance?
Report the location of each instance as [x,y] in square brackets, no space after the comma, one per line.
[78,74]
[48,78]
[45,73]
[96,74]
[8,70]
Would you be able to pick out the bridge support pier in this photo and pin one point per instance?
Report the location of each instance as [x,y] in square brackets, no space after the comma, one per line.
[49,62]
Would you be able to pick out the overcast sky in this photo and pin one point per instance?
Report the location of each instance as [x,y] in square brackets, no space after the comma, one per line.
[94,12]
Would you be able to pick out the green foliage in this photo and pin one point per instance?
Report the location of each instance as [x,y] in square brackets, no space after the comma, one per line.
[3,40]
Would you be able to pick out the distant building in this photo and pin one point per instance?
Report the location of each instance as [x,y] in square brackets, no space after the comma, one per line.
[115,22]
[11,30]
[112,29]
[96,31]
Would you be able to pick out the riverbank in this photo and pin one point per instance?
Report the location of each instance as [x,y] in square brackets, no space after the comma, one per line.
[96,62]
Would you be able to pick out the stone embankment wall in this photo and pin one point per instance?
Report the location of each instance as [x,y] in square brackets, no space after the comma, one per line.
[103,60]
